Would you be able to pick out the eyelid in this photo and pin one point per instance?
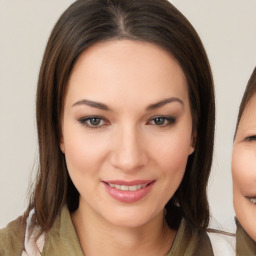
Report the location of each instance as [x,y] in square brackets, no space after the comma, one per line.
[84,120]
[251,138]
[170,119]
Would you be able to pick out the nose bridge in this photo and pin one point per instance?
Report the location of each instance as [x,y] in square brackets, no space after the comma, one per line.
[128,153]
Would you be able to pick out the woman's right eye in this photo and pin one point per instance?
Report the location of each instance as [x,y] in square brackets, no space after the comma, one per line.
[93,122]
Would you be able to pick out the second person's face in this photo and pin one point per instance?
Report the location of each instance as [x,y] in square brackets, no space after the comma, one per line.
[127,131]
[244,169]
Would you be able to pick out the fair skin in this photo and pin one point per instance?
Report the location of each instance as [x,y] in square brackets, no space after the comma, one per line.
[126,136]
[244,170]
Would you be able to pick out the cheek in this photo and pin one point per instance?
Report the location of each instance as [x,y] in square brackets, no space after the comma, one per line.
[175,155]
[244,184]
[244,169]
[172,153]
[84,153]
[172,159]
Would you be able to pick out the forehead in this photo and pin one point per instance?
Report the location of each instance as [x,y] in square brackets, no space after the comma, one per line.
[124,68]
[248,118]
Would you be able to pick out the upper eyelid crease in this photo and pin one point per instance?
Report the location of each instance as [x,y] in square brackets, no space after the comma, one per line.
[165,117]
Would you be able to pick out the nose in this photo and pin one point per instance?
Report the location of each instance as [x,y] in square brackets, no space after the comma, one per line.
[129,150]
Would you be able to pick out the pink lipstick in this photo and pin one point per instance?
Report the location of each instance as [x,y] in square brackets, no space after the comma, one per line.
[128,191]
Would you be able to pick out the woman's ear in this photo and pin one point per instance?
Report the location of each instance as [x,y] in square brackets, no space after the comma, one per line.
[62,147]
[193,142]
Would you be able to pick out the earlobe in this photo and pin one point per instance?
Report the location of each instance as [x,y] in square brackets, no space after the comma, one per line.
[193,143]
[62,147]
[191,150]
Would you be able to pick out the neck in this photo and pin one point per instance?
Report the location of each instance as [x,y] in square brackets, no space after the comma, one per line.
[98,237]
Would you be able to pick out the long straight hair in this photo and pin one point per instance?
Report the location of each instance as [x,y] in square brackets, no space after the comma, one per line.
[85,23]
[249,92]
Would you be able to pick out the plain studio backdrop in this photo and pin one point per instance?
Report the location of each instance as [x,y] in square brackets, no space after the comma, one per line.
[228,31]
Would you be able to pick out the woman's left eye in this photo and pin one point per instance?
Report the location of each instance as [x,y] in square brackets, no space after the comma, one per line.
[251,138]
[162,120]
[93,122]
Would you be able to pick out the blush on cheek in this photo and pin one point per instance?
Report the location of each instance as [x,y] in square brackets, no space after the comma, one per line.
[243,170]
[83,154]
[174,160]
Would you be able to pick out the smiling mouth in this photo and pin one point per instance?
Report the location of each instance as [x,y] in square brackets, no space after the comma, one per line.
[128,191]
[128,186]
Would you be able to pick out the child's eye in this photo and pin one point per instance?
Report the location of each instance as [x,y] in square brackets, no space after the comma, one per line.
[162,120]
[251,138]
[93,121]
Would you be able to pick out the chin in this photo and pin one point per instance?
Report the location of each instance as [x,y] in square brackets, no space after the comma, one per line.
[130,218]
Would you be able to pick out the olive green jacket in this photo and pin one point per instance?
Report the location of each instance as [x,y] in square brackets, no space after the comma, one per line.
[62,239]
[245,246]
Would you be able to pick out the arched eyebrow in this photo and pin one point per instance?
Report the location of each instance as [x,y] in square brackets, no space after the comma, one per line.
[102,106]
[92,104]
[164,102]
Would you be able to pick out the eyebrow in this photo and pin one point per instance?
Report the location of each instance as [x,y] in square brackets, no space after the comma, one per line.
[164,102]
[92,104]
[102,106]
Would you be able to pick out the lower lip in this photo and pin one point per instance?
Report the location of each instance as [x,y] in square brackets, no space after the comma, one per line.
[128,196]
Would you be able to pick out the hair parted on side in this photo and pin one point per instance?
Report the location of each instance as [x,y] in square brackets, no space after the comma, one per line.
[249,92]
[84,23]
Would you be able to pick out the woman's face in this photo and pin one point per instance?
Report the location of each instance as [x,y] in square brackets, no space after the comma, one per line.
[244,169]
[126,131]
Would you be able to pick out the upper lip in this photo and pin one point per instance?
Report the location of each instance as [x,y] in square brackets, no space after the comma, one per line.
[128,183]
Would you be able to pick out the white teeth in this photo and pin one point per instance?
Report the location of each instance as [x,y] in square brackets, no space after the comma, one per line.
[123,187]
[253,200]
[128,188]
[133,188]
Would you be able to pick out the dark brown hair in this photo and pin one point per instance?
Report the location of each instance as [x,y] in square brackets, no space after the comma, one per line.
[249,92]
[84,23]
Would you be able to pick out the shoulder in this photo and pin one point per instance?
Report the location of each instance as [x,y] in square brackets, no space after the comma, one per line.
[12,237]
[222,243]
[245,245]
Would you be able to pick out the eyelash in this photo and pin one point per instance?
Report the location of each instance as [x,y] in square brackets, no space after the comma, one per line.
[85,120]
[251,138]
[167,120]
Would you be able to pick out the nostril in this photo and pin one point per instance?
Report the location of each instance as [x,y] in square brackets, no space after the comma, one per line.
[128,152]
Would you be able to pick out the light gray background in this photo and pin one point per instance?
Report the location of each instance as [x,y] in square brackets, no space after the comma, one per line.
[228,31]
